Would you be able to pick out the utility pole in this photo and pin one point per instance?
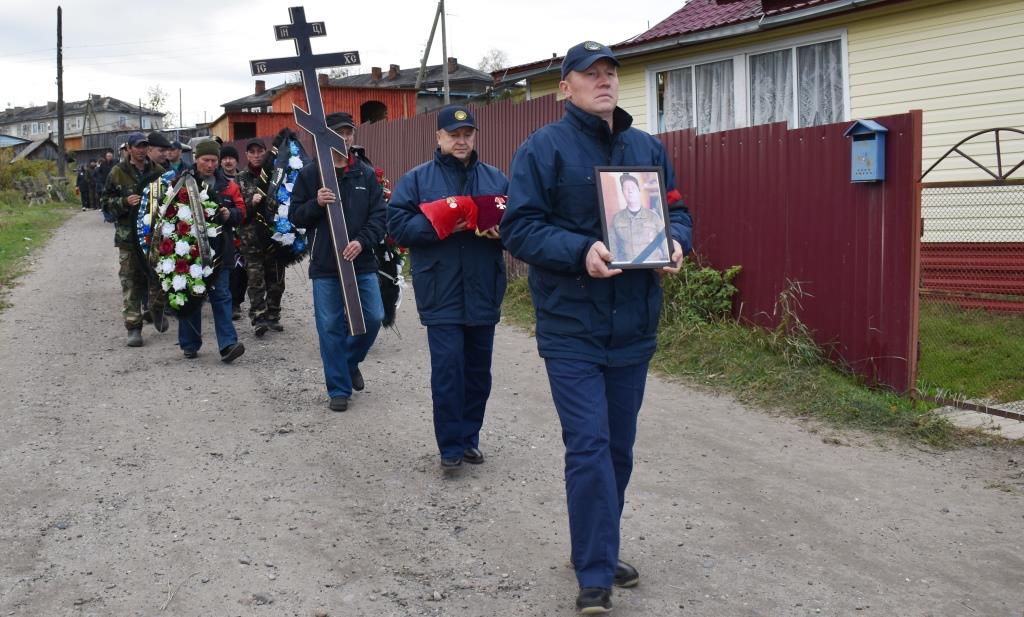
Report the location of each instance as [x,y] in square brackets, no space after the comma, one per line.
[444,56]
[61,155]
[430,41]
[181,118]
[140,114]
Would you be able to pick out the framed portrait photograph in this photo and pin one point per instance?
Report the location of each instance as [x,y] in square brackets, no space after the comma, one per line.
[634,216]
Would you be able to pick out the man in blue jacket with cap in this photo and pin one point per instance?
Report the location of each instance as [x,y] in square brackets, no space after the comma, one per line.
[458,277]
[596,326]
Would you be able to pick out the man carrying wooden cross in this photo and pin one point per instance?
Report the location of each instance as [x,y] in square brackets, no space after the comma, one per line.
[365,216]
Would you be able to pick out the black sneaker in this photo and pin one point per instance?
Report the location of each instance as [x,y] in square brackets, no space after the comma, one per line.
[231,353]
[236,313]
[190,353]
[473,456]
[625,575]
[357,379]
[594,601]
[275,325]
[260,327]
[338,403]
[451,463]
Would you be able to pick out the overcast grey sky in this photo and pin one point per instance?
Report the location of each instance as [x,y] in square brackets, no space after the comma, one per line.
[120,48]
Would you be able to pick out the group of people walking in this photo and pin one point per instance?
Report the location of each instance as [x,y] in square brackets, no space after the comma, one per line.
[596,326]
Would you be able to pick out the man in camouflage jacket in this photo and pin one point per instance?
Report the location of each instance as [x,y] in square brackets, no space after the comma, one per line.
[121,195]
[266,274]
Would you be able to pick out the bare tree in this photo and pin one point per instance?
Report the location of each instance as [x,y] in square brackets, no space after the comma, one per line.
[156,99]
[493,60]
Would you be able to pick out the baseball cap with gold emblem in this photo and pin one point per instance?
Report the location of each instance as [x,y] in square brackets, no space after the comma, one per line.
[455,117]
[581,56]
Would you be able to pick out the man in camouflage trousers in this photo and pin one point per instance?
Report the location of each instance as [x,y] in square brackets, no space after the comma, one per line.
[121,194]
[266,275]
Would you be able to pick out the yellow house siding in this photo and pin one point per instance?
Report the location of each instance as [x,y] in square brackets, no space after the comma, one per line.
[544,86]
[960,62]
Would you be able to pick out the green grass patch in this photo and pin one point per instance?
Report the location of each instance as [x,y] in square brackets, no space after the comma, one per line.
[971,353]
[781,369]
[24,228]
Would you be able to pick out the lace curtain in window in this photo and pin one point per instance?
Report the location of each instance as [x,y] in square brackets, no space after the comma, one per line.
[820,85]
[676,108]
[715,101]
[771,87]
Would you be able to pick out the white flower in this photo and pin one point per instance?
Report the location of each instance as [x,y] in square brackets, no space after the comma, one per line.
[165,284]
[195,271]
[179,282]
[165,266]
[185,213]
[295,163]
[207,271]
[181,247]
[204,195]
[284,239]
[301,232]
[167,229]
[212,231]
[147,220]
[282,211]
[198,288]
[163,209]
[210,212]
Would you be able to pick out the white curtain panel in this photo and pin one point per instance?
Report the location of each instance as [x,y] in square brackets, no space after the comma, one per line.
[820,96]
[771,87]
[677,100]
[715,100]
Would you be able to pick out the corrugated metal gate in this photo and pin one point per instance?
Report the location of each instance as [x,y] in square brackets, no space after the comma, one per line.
[972,281]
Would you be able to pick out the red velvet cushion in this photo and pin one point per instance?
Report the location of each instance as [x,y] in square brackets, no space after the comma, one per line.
[445,214]
[490,209]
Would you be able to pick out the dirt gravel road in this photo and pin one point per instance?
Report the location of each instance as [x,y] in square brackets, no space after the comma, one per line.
[134,482]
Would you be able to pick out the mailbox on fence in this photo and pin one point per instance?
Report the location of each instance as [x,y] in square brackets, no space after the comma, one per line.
[867,157]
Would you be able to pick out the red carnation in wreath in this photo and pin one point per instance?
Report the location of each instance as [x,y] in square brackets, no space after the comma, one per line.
[193,252]
[166,246]
[182,228]
[171,212]
[181,266]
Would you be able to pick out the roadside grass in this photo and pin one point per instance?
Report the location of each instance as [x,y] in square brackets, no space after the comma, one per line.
[24,228]
[779,369]
[971,354]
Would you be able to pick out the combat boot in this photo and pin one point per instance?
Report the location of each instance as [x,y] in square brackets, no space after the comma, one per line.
[134,337]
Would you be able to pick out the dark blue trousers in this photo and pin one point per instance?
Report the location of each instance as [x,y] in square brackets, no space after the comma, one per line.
[460,382]
[597,406]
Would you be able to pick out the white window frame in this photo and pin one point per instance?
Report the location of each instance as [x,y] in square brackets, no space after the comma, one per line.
[741,73]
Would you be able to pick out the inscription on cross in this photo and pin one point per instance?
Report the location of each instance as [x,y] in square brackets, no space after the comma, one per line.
[326,141]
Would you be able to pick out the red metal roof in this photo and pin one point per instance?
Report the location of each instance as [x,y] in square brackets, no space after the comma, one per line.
[698,15]
[693,16]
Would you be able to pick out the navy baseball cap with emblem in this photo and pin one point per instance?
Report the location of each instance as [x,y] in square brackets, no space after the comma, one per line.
[580,57]
[137,139]
[455,117]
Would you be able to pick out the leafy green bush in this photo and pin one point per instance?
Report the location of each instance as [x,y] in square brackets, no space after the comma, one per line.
[10,172]
[698,294]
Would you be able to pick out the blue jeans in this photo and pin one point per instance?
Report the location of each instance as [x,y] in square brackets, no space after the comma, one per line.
[340,352]
[597,407]
[190,329]
[460,382]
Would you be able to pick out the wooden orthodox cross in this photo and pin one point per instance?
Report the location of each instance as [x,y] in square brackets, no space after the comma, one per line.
[324,139]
